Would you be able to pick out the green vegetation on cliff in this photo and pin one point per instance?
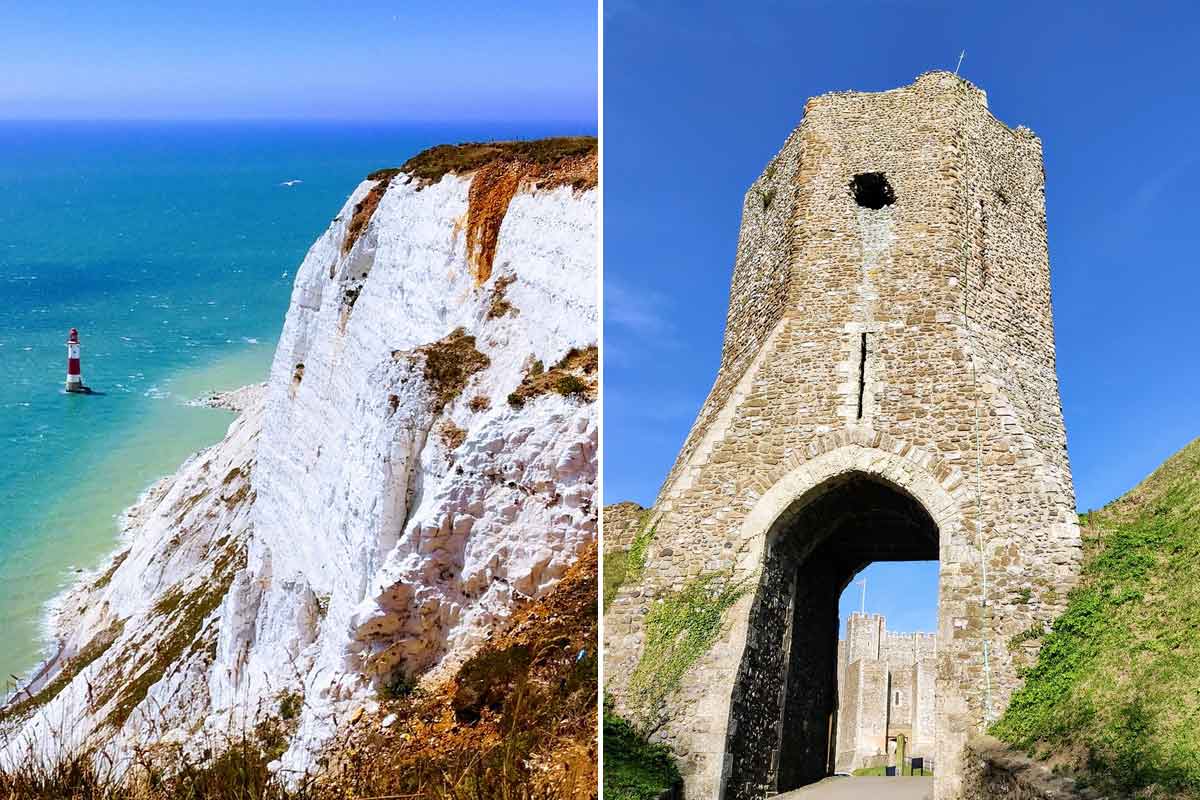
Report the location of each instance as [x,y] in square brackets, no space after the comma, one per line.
[1115,693]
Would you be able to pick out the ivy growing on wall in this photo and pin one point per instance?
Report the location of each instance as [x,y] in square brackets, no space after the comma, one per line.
[623,566]
[637,551]
[680,628]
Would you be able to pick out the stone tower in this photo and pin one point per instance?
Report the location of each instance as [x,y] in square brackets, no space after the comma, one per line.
[887,391]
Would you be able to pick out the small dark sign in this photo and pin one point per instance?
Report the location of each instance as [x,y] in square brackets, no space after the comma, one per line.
[890,772]
[918,764]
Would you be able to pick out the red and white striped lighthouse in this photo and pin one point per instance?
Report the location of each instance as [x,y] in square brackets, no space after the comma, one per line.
[74,379]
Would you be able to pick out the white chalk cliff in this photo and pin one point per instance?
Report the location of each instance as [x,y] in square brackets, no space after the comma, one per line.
[366,516]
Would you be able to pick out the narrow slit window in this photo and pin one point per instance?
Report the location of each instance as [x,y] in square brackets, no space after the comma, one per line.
[983,243]
[862,373]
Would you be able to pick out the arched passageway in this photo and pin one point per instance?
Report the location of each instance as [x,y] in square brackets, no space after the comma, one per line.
[783,712]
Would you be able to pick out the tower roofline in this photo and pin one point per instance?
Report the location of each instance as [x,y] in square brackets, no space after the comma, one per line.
[930,78]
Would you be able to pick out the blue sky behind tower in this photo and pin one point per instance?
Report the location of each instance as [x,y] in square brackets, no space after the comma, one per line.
[367,60]
[698,98]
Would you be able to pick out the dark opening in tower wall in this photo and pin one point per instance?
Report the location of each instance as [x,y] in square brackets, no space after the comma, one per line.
[872,190]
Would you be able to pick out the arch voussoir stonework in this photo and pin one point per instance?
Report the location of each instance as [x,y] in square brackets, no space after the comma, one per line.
[903,466]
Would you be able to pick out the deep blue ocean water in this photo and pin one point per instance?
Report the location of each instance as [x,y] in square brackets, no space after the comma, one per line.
[172,248]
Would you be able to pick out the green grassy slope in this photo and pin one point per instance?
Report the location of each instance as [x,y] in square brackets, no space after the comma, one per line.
[1115,693]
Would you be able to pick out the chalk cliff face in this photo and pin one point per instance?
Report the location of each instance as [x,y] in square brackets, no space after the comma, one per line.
[421,461]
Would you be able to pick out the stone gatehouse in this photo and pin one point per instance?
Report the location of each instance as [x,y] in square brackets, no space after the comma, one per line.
[887,392]
[885,687]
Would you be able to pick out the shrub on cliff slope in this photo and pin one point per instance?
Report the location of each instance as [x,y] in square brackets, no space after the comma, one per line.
[1116,689]
[518,721]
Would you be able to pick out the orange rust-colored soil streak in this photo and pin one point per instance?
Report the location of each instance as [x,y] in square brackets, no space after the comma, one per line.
[492,189]
[517,721]
[499,305]
[363,211]
[499,170]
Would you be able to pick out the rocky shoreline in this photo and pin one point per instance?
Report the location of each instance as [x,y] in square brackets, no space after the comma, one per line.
[235,400]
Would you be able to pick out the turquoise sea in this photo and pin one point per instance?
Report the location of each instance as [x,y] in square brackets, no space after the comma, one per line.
[172,248]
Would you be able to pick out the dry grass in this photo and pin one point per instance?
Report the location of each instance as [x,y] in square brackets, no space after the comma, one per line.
[431,165]
[449,364]
[518,722]
[575,375]
[499,305]
[232,767]
[452,435]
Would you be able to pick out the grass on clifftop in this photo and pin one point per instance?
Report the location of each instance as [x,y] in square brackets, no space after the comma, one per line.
[431,165]
[1115,693]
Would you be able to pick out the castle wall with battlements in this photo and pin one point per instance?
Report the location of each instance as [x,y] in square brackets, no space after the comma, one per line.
[885,688]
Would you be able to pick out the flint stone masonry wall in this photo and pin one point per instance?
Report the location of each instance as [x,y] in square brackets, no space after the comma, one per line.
[761,275]
[621,524]
[959,412]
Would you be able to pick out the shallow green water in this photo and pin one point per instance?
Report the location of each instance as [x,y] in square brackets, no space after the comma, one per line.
[79,527]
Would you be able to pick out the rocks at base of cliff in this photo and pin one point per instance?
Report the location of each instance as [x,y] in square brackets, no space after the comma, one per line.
[236,400]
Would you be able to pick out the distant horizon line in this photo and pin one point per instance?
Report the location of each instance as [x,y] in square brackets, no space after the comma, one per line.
[591,124]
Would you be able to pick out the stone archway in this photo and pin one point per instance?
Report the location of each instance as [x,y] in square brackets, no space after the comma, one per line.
[813,551]
[811,532]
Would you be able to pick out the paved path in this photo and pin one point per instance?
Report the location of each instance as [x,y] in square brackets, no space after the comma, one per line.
[865,788]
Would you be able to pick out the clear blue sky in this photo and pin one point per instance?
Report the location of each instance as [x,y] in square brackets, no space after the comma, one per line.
[699,97]
[363,60]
